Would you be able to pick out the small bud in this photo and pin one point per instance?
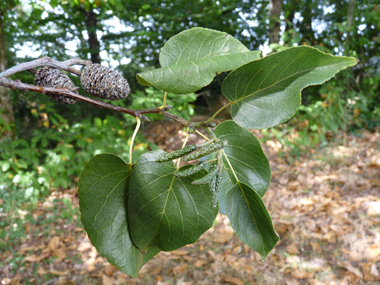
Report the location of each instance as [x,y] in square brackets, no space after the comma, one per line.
[52,77]
[103,82]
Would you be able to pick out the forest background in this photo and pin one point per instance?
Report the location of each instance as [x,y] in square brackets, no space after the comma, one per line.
[45,144]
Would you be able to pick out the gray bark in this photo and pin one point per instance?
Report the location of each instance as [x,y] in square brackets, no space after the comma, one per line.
[5,103]
[275,8]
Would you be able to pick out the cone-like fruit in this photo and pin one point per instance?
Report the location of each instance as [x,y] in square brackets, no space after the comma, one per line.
[103,82]
[48,76]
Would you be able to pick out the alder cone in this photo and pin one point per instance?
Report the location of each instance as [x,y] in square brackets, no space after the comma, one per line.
[103,82]
[47,76]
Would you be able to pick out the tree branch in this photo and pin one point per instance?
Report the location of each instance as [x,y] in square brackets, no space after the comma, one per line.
[66,65]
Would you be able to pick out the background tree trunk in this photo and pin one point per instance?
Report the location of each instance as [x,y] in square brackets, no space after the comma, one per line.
[350,21]
[5,103]
[91,24]
[275,8]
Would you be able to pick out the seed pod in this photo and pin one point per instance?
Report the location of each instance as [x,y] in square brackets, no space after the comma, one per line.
[204,151]
[103,82]
[52,77]
[207,178]
[177,153]
[190,171]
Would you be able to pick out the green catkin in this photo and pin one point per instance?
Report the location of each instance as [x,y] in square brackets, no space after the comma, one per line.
[204,151]
[214,187]
[177,153]
[190,171]
[206,179]
[215,200]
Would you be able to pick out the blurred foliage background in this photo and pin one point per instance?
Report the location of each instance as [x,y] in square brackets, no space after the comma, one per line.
[45,144]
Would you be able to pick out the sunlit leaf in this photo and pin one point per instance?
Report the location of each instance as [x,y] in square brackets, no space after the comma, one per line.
[103,196]
[191,59]
[167,211]
[267,91]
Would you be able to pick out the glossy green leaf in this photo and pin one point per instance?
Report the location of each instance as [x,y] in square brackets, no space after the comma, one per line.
[250,219]
[267,91]
[167,211]
[246,157]
[103,196]
[191,59]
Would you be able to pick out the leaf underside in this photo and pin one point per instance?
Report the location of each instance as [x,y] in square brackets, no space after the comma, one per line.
[267,92]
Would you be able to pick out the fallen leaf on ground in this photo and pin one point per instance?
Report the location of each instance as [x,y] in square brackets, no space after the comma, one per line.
[374,271]
[156,270]
[106,280]
[349,267]
[60,253]
[57,272]
[292,282]
[301,274]
[355,256]
[179,252]
[53,243]
[180,269]
[223,238]
[200,263]
[373,252]
[42,271]
[230,279]
[316,247]
[110,269]
[292,249]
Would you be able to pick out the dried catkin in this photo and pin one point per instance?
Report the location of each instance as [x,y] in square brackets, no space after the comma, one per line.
[52,77]
[103,82]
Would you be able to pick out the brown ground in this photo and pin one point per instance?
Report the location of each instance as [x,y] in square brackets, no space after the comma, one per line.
[325,207]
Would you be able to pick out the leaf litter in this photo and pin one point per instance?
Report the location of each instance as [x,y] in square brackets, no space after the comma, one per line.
[325,206]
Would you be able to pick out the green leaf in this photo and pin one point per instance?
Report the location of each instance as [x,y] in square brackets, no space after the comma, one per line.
[191,59]
[165,210]
[247,159]
[267,91]
[103,195]
[250,219]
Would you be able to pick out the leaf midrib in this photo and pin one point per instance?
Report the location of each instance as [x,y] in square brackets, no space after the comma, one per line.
[278,81]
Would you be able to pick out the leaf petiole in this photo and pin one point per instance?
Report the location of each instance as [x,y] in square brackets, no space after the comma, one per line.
[217,112]
[228,161]
[184,143]
[133,138]
[202,135]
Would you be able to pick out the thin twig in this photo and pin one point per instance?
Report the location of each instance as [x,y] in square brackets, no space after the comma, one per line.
[64,65]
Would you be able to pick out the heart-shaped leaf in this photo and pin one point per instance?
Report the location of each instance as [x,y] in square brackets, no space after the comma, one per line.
[267,91]
[103,196]
[191,59]
[167,211]
[246,158]
[250,219]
